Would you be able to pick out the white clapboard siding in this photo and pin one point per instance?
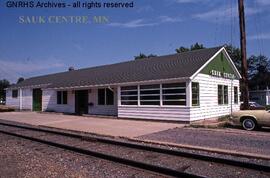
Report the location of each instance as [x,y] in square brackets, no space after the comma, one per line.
[110,110]
[209,107]
[10,101]
[27,99]
[49,102]
[155,112]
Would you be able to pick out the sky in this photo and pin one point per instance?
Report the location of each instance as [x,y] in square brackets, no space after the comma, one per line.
[150,27]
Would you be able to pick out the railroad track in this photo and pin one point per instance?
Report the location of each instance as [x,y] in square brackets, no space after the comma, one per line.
[81,144]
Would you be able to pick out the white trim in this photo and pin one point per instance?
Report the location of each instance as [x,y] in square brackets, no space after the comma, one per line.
[126,83]
[161,94]
[118,96]
[189,93]
[138,96]
[232,63]
[212,58]
[28,86]
[20,95]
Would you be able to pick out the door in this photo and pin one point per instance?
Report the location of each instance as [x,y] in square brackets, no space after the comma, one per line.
[37,99]
[266,118]
[81,102]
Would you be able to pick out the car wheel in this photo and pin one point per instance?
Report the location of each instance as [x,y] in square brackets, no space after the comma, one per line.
[249,124]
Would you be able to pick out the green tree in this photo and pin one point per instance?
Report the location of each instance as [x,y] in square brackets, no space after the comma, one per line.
[3,84]
[182,49]
[192,47]
[143,56]
[235,55]
[259,72]
[20,80]
[196,46]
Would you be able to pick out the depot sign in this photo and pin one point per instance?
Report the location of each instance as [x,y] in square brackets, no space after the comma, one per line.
[222,74]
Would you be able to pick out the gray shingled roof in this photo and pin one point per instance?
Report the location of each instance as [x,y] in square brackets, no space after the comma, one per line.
[163,67]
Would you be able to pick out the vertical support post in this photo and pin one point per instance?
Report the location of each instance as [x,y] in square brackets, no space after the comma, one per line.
[139,95]
[244,88]
[118,96]
[189,93]
[232,97]
[20,95]
[161,95]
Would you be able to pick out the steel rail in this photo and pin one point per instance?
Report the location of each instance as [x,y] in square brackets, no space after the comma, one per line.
[179,153]
[137,164]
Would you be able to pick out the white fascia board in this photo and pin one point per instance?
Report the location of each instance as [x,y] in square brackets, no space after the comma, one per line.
[232,63]
[123,84]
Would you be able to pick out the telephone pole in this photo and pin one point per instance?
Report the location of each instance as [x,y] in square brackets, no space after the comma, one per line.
[244,88]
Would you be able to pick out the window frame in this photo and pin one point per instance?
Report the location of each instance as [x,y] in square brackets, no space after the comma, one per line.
[63,99]
[235,95]
[173,87]
[224,95]
[168,86]
[145,91]
[105,98]
[126,89]
[15,93]
[197,93]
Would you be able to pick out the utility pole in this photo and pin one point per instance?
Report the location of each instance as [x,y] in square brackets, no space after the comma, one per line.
[244,88]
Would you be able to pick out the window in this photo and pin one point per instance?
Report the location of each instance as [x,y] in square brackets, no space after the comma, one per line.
[222,94]
[129,95]
[101,96]
[105,96]
[195,94]
[150,94]
[14,93]
[226,95]
[235,95]
[174,94]
[61,97]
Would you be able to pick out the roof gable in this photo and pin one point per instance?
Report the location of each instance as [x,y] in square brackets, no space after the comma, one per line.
[221,66]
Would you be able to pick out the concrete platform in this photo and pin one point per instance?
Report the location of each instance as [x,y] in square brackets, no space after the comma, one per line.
[103,126]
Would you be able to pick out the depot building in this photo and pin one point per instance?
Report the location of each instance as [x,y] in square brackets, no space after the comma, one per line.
[188,86]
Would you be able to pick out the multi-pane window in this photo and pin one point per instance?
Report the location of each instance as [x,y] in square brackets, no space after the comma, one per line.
[222,94]
[226,97]
[105,96]
[195,94]
[61,97]
[235,92]
[129,95]
[174,94]
[14,93]
[150,94]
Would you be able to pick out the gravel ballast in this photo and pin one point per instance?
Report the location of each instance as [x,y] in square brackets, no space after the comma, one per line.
[227,139]
[179,163]
[23,158]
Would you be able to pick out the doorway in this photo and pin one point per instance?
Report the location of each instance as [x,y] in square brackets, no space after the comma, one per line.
[81,102]
[37,99]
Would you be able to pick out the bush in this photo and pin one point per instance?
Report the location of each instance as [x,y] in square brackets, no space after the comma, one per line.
[267,107]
